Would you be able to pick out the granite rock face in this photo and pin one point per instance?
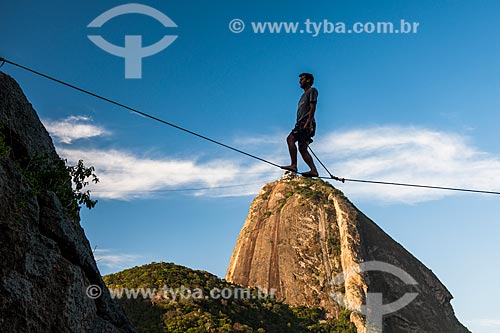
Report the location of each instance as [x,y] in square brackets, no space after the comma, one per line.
[306,240]
[47,263]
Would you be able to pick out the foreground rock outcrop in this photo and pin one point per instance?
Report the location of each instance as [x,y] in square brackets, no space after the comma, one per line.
[47,263]
[303,238]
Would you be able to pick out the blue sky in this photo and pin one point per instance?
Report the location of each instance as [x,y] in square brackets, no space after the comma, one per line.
[417,108]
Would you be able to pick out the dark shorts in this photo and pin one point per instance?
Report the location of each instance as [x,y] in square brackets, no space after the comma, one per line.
[302,134]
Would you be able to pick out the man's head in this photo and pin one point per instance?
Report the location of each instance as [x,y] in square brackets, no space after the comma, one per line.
[306,80]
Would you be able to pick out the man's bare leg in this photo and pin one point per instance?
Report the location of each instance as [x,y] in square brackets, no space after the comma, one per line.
[308,159]
[292,149]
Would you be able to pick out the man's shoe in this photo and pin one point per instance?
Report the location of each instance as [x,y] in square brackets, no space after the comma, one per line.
[289,168]
[309,174]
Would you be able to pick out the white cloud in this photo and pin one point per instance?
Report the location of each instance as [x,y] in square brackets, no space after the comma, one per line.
[278,138]
[125,176]
[74,128]
[407,155]
[491,323]
[109,259]
[392,154]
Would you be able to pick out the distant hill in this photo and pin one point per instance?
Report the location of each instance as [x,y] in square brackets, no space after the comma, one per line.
[166,311]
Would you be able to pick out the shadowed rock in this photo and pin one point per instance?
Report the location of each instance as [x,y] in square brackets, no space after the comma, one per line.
[47,263]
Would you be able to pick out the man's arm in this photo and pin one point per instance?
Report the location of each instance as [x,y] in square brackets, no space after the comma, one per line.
[312,109]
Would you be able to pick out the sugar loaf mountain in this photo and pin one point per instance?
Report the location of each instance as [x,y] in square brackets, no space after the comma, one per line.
[299,237]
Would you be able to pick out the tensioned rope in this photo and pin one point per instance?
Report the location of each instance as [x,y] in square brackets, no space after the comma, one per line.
[3,60]
[136,111]
[391,183]
[179,189]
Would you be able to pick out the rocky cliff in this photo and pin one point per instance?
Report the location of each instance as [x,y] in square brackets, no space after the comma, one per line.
[305,239]
[47,263]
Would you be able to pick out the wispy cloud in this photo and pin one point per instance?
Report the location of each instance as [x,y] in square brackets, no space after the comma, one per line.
[392,153]
[277,138]
[408,155]
[110,259]
[491,323]
[74,128]
[125,176]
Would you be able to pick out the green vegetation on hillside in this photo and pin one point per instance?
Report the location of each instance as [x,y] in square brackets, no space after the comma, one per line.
[44,172]
[316,190]
[202,313]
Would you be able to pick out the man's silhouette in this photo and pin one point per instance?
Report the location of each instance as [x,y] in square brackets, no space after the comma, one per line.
[305,127]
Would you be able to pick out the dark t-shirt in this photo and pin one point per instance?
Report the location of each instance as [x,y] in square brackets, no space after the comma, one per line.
[309,96]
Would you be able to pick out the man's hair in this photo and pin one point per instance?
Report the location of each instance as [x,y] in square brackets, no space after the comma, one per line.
[308,77]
